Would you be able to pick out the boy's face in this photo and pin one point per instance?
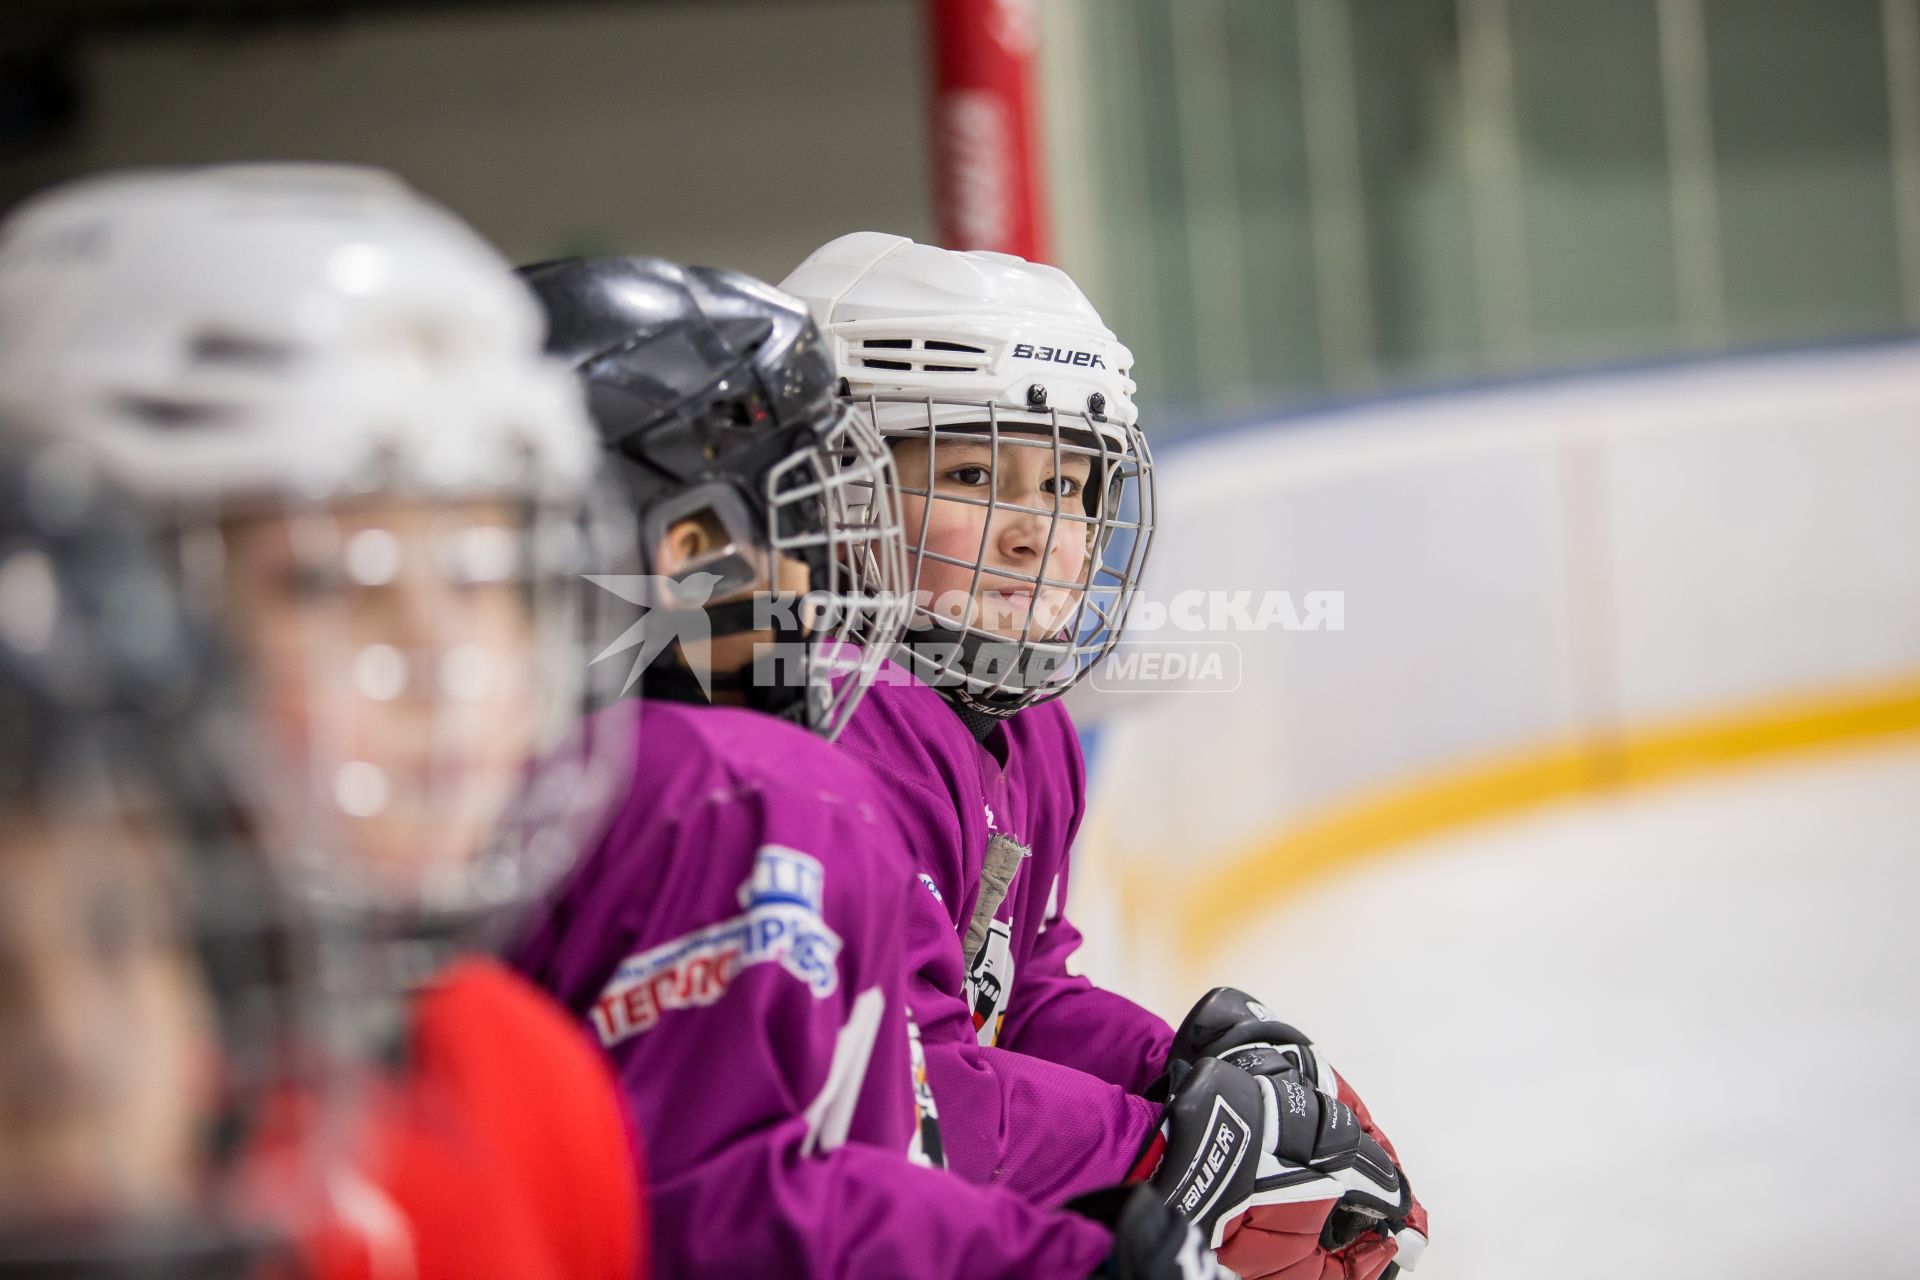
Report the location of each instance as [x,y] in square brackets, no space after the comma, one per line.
[1013,547]
[107,1041]
[394,662]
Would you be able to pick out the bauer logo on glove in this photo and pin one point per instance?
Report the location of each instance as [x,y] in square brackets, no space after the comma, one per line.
[1318,1197]
[1210,1171]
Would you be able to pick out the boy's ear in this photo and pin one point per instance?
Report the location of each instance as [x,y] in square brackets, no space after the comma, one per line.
[684,542]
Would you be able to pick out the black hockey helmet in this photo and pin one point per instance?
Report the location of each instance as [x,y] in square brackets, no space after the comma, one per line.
[692,372]
[717,397]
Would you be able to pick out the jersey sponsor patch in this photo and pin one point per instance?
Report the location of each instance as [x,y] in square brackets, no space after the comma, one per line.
[932,888]
[781,924]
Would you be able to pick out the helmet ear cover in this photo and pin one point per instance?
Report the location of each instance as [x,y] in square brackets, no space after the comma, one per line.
[724,464]
[741,564]
[737,560]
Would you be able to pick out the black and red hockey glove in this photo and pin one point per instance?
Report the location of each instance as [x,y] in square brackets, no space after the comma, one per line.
[1278,1176]
[1231,1025]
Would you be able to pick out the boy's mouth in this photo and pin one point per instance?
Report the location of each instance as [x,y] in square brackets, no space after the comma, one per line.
[1019,610]
[1011,608]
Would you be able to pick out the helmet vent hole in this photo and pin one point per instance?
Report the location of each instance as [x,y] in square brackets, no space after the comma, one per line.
[915,353]
[171,415]
[240,351]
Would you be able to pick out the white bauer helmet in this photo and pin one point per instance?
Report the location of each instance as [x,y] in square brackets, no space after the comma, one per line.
[293,340]
[939,345]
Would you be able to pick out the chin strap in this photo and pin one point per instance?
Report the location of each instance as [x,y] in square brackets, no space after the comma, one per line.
[943,657]
[979,723]
[669,678]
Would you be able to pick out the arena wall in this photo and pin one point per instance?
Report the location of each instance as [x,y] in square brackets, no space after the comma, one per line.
[1541,590]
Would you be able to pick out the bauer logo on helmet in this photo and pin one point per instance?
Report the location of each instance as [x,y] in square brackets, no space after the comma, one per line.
[1058,355]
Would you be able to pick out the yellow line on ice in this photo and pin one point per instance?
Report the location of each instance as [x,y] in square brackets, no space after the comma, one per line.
[1247,883]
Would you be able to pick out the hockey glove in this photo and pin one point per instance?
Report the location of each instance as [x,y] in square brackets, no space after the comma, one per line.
[1231,1025]
[1150,1241]
[1277,1176]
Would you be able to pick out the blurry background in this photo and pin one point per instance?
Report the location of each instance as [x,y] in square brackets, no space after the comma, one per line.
[737,134]
[1312,195]
[1272,200]
[1564,339]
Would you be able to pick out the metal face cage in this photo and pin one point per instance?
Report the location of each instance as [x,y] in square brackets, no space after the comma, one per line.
[1023,574]
[836,507]
[455,749]
[172,1099]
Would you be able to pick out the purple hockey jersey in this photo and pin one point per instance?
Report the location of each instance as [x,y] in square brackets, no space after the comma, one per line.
[1037,1072]
[735,944]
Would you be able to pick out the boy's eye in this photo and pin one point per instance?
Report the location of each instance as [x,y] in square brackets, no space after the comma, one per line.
[969,475]
[1062,486]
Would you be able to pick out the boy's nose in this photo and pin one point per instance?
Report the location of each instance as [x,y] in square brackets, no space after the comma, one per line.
[1022,534]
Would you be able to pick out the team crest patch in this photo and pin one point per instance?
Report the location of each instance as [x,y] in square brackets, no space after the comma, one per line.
[780,923]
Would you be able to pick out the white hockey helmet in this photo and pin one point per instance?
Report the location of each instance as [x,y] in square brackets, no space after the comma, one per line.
[308,342]
[259,330]
[936,343]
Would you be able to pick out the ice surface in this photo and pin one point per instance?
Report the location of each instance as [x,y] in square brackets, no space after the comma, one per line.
[1672,1032]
